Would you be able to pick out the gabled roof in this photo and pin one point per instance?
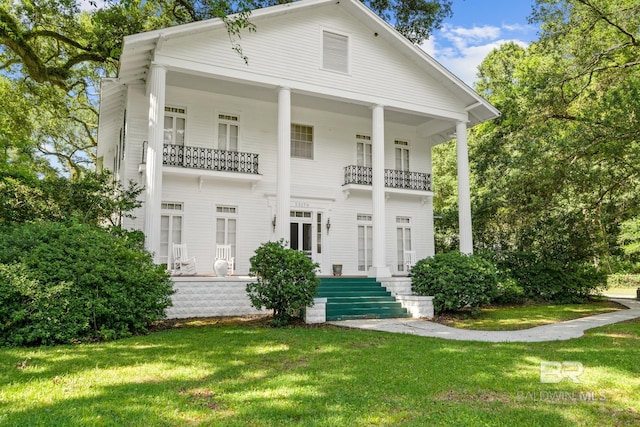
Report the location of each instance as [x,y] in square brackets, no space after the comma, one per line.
[138,49]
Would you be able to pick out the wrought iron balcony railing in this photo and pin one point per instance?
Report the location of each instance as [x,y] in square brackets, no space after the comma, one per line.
[207,158]
[393,178]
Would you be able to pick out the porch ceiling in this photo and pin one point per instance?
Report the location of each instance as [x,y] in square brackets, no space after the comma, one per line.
[298,99]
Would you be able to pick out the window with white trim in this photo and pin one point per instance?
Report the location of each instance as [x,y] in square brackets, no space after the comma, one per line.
[302,141]
[365,241]
[228,128]
[226,226]
[175,123]
[171,222]
[402,155]
[335,52]
[363,150]
[403,236]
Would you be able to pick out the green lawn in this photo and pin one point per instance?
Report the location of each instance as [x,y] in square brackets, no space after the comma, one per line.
[509,318]
[250,374]
[624,291]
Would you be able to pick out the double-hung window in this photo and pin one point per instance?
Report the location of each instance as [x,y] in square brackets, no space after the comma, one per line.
[171,221]
[175,123]
[365,241]
[228,128]
[226,226]
[403,233]
[402,155]
[302,141]
[363,150]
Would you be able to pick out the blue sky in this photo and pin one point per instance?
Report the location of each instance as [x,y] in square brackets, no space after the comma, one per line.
[478,27]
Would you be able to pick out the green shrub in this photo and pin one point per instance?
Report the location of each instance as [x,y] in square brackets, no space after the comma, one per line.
[508,290]
[66,283]
[286,281]
[551,280]
[623,281]
[455,281]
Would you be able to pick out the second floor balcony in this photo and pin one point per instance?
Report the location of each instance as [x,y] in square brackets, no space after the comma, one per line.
[207,159]
[393,178]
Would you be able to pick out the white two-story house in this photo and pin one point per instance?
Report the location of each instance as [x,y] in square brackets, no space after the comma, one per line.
[323,138]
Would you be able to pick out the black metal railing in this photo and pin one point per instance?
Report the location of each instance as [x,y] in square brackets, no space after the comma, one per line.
[393,178]
[207,158]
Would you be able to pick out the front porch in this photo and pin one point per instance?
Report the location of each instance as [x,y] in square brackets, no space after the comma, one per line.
[210,296]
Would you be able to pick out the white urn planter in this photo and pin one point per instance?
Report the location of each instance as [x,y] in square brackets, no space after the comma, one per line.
[221,267]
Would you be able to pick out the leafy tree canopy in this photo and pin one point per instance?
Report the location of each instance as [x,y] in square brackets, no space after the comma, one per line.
[56,52]
[558,172]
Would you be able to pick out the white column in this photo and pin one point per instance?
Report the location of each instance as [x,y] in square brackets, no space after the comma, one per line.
[153,185]
[428,203]
[464,192]
[379,267]
[283,185]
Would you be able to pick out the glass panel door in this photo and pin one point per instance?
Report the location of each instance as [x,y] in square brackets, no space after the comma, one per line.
[301,232]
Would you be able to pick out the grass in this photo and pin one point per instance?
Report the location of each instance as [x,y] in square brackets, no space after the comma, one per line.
[622,291]
[247,374]
[510,318]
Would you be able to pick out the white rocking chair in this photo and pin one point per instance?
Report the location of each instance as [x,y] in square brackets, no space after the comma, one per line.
[224,252]
[409,260]
[182,264]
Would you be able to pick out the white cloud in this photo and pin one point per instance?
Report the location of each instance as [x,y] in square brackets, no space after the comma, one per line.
[461,50]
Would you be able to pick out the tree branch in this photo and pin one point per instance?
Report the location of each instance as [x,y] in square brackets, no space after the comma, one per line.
[605,18]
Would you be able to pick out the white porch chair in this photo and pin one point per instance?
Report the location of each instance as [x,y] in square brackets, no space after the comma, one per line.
[409,260]
[182,264]
[224,252]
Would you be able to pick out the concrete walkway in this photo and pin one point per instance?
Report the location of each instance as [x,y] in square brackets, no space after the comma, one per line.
[554,332]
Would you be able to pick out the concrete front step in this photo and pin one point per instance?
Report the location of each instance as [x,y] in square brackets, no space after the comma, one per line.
[358,298]
[368,316]
[357,293]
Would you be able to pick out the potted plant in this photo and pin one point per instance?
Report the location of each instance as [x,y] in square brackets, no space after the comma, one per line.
[337,269]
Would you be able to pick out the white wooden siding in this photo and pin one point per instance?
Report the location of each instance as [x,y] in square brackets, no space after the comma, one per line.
[320,179]
[291,48]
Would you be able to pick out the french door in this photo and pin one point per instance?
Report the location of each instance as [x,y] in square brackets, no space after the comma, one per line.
[301,232]
[305,233]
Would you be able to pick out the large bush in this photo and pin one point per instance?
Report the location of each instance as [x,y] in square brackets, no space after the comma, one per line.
[552,280]
[455,280]
[286,281]
[63,283]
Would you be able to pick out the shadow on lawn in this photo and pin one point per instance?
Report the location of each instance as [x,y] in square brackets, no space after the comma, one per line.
[250,374]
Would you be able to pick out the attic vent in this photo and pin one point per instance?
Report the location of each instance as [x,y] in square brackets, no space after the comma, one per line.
[402,143]
[174,110]
[228,117]
[335,52]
